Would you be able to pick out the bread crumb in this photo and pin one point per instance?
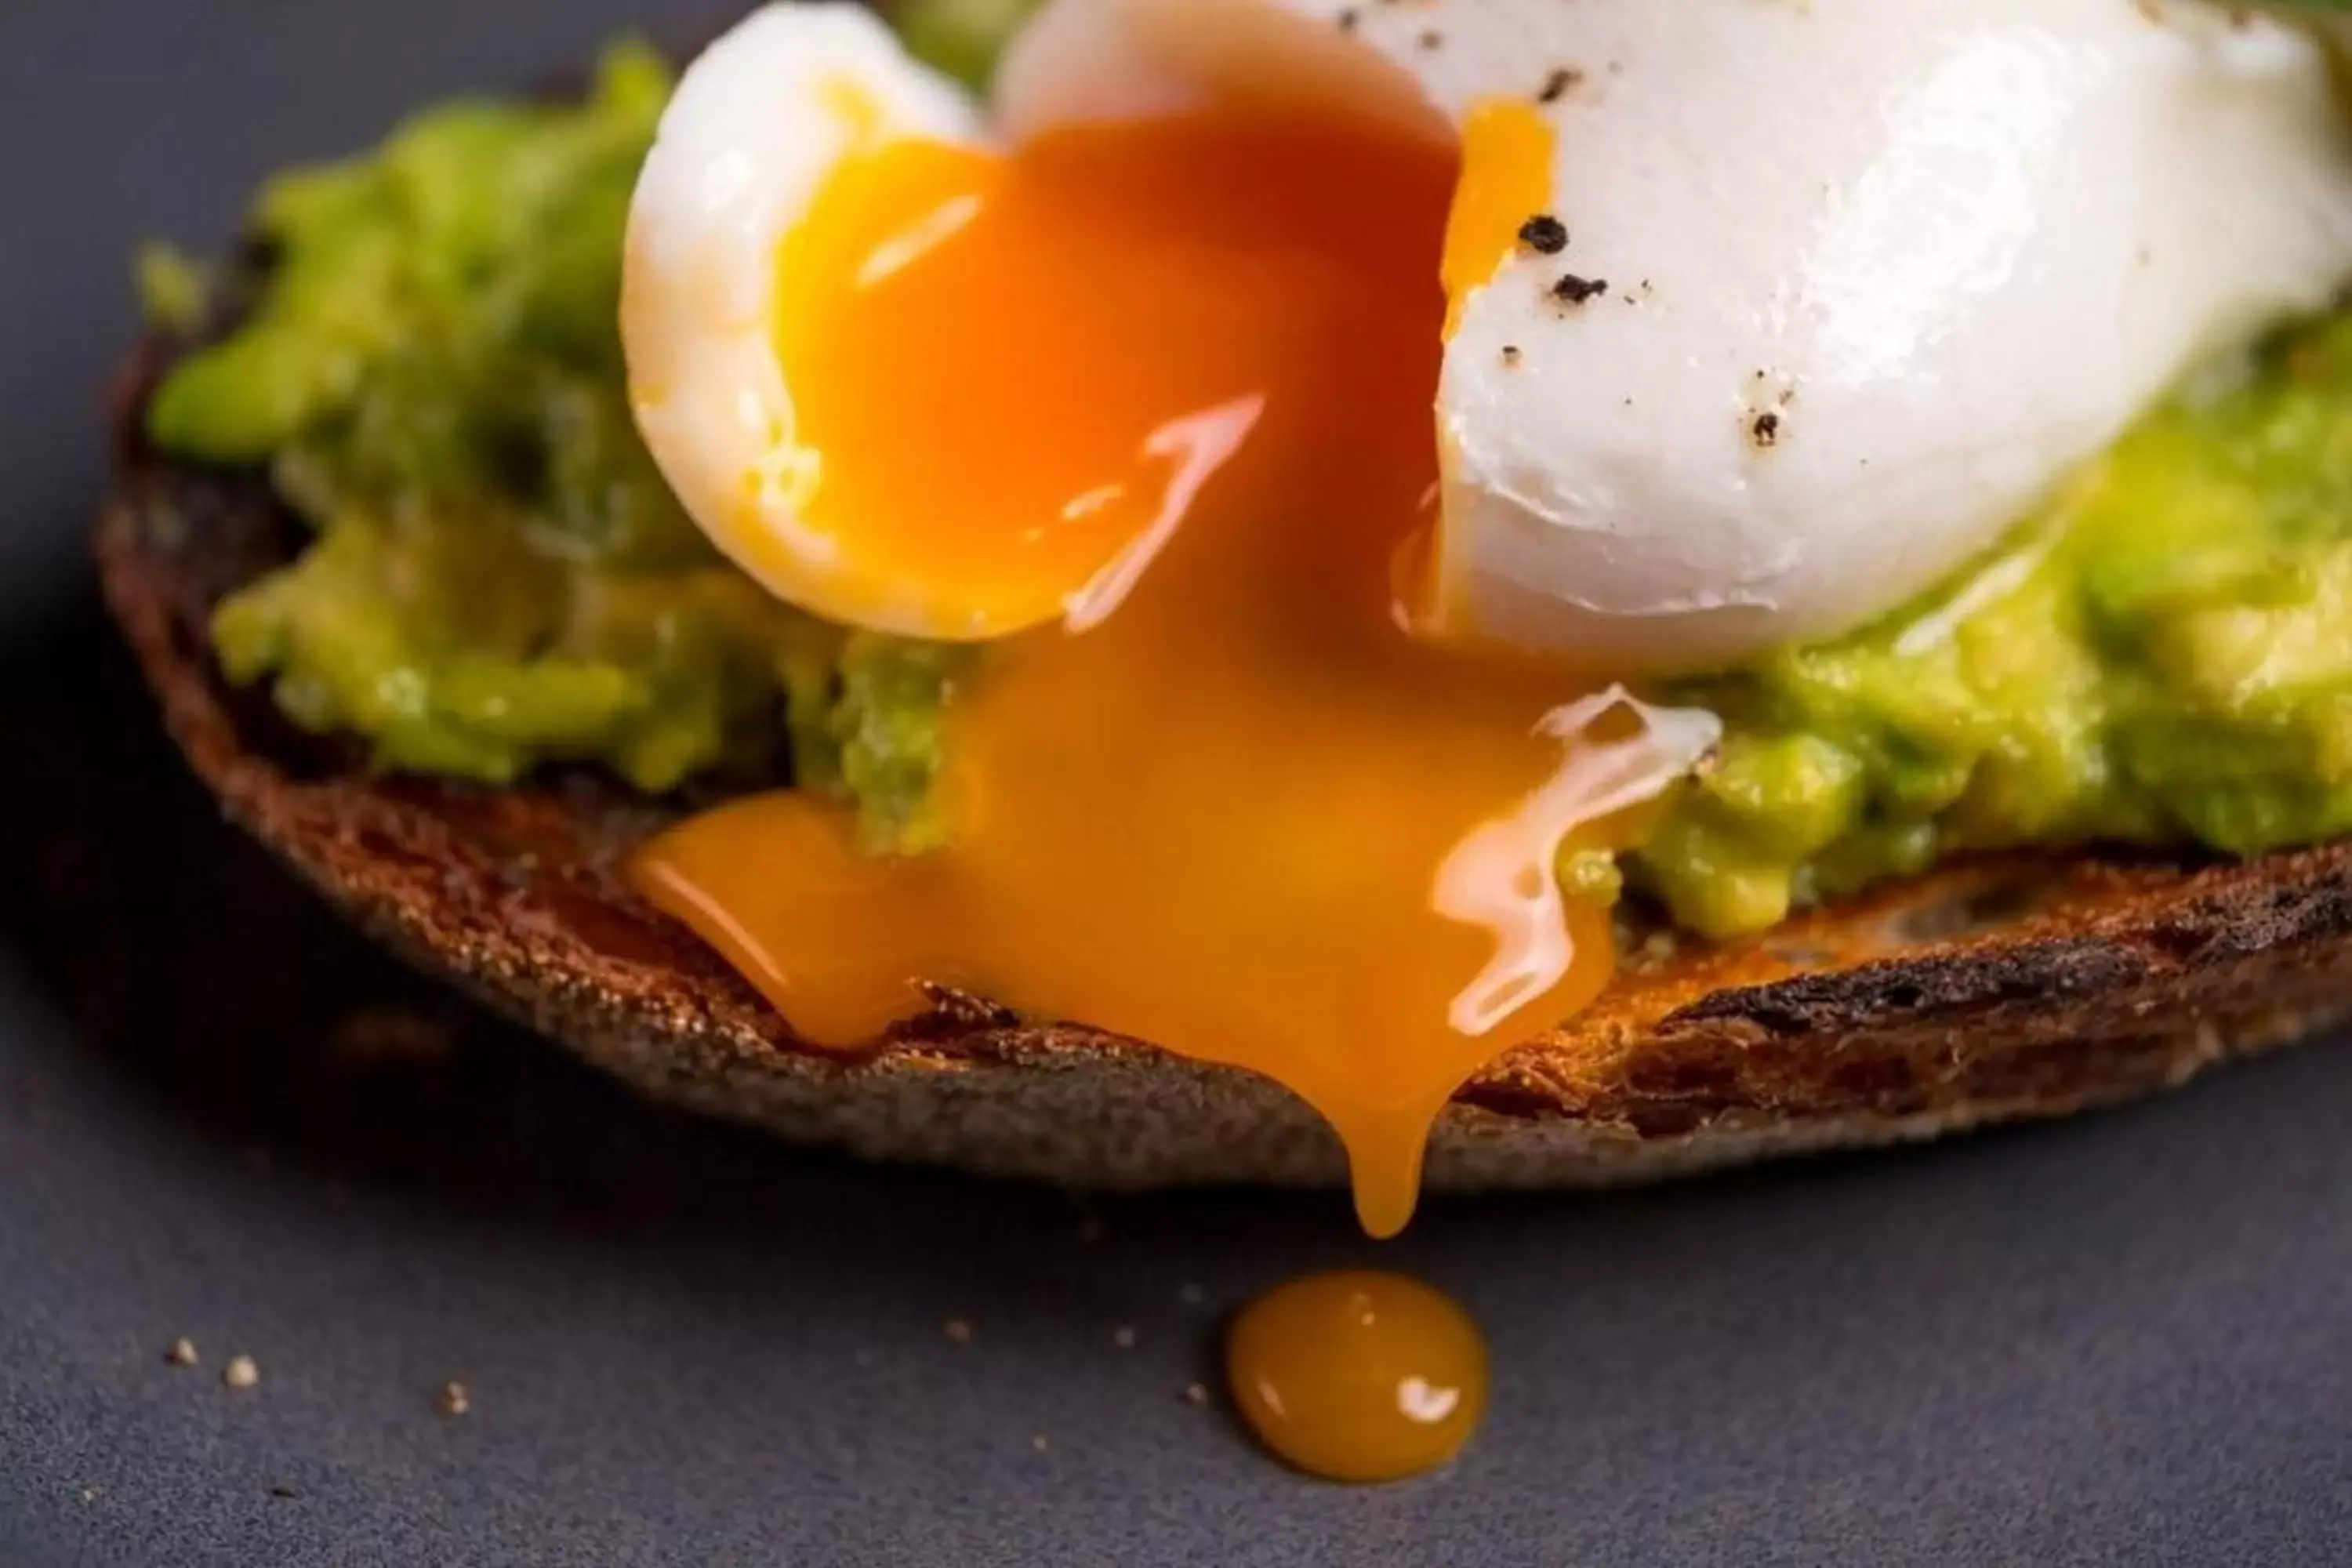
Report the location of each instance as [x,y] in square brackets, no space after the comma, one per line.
[183,1352]
[241,1372]
[958,1331]
[1196,1394]
[1038,1442]
[455,1399]
[1123,1336]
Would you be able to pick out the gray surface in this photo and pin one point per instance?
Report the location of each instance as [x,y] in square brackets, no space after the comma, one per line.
[2121,1340]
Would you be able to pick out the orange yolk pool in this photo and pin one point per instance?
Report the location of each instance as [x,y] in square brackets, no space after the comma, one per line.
[1168,388]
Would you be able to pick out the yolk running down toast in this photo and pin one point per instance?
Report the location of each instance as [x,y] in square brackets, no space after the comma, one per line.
[1173,380]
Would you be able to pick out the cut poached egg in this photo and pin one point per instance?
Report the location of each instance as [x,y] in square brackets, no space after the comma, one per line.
[1138,377]
[1849,285]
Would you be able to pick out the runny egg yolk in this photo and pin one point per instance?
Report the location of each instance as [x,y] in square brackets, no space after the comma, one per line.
[1167,387]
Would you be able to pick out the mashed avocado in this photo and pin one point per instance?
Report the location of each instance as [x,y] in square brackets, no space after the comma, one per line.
[961,37]
[2163,656]
[430,372]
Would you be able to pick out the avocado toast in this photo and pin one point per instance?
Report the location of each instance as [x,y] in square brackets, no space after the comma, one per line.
[1992,989]
[1941,982]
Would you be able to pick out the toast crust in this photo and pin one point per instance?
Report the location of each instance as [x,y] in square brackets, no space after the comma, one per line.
[1992,989]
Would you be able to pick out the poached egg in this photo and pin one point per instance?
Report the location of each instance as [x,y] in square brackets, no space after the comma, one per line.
[1320,406]
[1839,289]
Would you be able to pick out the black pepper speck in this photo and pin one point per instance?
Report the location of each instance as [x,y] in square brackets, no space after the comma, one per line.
[1544,234]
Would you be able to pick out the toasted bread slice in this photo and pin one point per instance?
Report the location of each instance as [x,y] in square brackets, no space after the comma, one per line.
[1991,990]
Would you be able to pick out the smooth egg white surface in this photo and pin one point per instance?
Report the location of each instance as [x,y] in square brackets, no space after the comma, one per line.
[1879,272]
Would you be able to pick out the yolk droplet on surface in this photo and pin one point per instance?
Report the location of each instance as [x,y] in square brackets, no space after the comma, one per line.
[1358,1376]
[1176,379]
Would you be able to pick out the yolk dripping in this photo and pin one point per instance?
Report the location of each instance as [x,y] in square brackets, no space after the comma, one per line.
[1173,382]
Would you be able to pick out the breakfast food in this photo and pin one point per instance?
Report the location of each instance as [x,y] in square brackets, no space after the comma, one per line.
[1249,545]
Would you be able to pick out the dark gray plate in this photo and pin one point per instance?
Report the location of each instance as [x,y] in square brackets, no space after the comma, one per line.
[2123,1340]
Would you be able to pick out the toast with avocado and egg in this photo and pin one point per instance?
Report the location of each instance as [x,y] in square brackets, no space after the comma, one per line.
[2000,783]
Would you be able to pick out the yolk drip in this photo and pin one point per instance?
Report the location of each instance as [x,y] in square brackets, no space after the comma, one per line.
[1174,379]
[1358,1376]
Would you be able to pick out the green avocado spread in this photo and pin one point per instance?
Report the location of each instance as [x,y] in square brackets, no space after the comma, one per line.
[427,366]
